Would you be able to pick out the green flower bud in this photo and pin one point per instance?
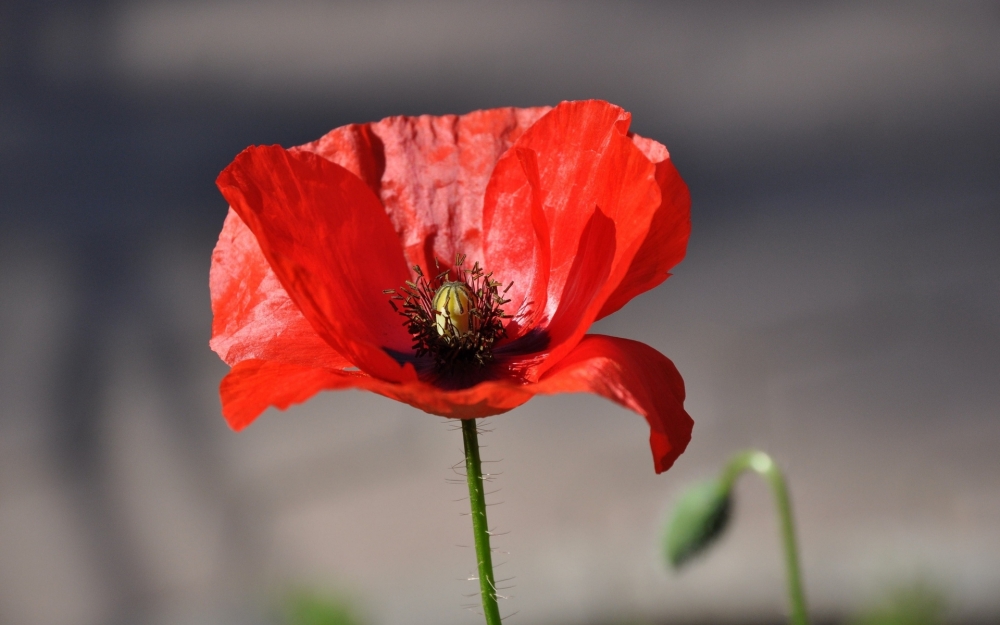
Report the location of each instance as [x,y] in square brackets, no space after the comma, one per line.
[699,518]
[452,303]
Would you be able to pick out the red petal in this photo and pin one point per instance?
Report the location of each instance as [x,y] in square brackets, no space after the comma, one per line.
[253,317]
[591,265]
[666,243]
[584,161]
[431,173]
[635,376]
[629,373]
[254,385]
[482,400]
[517,242]
[332,247]
[356,148]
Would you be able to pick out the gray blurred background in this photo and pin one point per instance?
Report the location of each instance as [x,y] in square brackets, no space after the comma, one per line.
[838,307]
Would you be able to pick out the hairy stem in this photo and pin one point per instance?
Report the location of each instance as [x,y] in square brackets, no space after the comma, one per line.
[480,529]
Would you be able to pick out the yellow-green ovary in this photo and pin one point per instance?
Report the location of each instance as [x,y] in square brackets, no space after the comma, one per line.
[452,302]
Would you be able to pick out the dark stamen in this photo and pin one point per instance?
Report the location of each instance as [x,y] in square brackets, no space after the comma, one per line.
[453,351]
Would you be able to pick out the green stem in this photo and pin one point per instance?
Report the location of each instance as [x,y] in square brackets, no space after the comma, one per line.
[480,529]
[762,464]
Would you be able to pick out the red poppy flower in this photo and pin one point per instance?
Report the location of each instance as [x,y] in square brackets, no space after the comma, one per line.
[564,205]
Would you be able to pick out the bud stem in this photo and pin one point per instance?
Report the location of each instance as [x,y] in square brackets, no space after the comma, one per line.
[480,529]
[762,464]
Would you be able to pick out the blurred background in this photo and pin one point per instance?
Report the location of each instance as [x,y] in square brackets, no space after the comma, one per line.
[839,307]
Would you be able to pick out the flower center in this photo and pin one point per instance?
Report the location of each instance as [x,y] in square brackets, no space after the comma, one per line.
[457,321]
[451,308]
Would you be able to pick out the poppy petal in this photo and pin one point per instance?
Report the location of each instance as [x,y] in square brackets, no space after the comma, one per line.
[518,251]
[254,385]
[666,243]
[635,376]
[629,373]
[430,173]
[252,315]
[585,279]
[482,400]
[585,161]
[354,147]
[331,246]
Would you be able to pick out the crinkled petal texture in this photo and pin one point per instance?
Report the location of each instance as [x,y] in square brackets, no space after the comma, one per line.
[578,214]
